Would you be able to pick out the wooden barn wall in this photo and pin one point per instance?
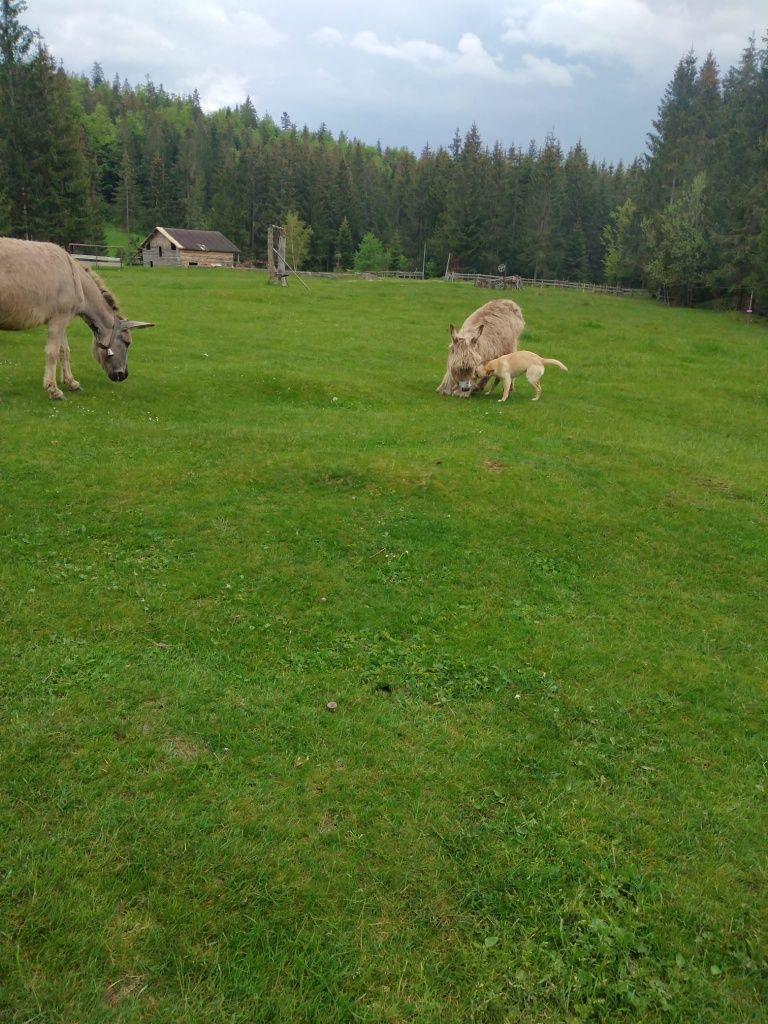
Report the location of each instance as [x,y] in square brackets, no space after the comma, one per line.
[190,257]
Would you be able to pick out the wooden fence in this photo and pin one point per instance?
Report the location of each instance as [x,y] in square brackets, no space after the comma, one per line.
[96,255]
[480,280]
[410,274]
[492,281]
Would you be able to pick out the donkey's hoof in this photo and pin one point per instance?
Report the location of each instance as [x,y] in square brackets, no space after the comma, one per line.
[74,385]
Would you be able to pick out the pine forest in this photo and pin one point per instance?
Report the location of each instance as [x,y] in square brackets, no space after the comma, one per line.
[688,219]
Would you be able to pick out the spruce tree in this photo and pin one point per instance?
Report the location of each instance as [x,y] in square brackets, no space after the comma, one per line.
[5,207]
[403,208]
[544,212]
[678,265]
[739,179]
[623,240]
[465,222]
[128,210]
[16,42]
[345,246]
[371,254]
[672,144]
[397,258]
[48,169]
[58,187]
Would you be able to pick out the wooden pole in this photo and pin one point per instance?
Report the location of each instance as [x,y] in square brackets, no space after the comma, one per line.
[271,271]
[276,271]
[281,274]
[296,273]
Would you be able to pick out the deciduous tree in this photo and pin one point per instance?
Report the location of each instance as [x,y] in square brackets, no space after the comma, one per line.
[297,239]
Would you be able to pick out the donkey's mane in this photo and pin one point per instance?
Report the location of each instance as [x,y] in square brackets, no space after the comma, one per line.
[109,298]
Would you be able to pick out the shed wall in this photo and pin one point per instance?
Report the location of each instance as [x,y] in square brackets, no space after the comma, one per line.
[160,256]
[192,257]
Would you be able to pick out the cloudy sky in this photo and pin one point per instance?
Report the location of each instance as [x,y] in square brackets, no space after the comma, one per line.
[410,73]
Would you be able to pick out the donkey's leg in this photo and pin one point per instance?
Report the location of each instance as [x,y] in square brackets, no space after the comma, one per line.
[56,331]
[66,369]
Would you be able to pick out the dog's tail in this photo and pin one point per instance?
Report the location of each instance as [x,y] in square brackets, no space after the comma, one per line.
[554,362]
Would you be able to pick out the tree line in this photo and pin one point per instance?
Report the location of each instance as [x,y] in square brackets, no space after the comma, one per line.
[695,222]
[688,219]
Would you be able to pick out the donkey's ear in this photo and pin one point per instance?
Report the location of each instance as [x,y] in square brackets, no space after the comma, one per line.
[135,325]
[477,336]
[454,335]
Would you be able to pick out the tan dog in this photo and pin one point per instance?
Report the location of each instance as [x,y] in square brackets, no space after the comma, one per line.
[506,368]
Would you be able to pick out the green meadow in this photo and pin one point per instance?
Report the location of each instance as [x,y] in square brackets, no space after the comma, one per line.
[542,795]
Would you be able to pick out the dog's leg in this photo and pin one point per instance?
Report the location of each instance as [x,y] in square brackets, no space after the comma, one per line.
[493,380]
[534,374]
[507,386]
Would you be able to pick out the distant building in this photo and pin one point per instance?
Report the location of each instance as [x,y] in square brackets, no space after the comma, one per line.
[178,247]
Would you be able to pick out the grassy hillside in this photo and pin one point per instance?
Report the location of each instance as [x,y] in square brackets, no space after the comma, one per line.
[542,796]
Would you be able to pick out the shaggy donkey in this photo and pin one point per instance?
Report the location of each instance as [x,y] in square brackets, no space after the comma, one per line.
[41,284]
[489,332]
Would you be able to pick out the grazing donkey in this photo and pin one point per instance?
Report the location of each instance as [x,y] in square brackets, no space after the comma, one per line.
[489,332]
[41,284]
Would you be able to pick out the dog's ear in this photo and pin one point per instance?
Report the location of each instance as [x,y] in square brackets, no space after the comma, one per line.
[454,335]
[477,336]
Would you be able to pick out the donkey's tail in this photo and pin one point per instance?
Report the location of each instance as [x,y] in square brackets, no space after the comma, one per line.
[555,362]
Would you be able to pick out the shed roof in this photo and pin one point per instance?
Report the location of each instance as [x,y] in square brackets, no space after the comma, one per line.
[200,241]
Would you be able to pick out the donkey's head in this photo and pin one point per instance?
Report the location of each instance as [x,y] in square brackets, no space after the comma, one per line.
[110,347]
[111,333]
[463,357]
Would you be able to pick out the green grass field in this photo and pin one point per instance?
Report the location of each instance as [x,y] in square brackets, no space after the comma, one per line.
[543,795]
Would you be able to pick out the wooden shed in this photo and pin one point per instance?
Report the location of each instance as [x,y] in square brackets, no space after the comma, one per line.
[179,247]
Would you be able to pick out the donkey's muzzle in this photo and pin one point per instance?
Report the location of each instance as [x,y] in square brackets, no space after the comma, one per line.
[118,375]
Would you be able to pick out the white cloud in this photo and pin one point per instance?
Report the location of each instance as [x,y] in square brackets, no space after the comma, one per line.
[327,36]
[581,27]
[545,72]
[174,38]
[470,59]
[207,12]
[112,33]
[255,31]
[473,59]
[413,51]
[645,34]
[218,90]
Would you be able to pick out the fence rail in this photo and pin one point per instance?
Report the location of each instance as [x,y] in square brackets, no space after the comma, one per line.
[98,261]
[492,281]
[410,274]
[480,280]
[96,255]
